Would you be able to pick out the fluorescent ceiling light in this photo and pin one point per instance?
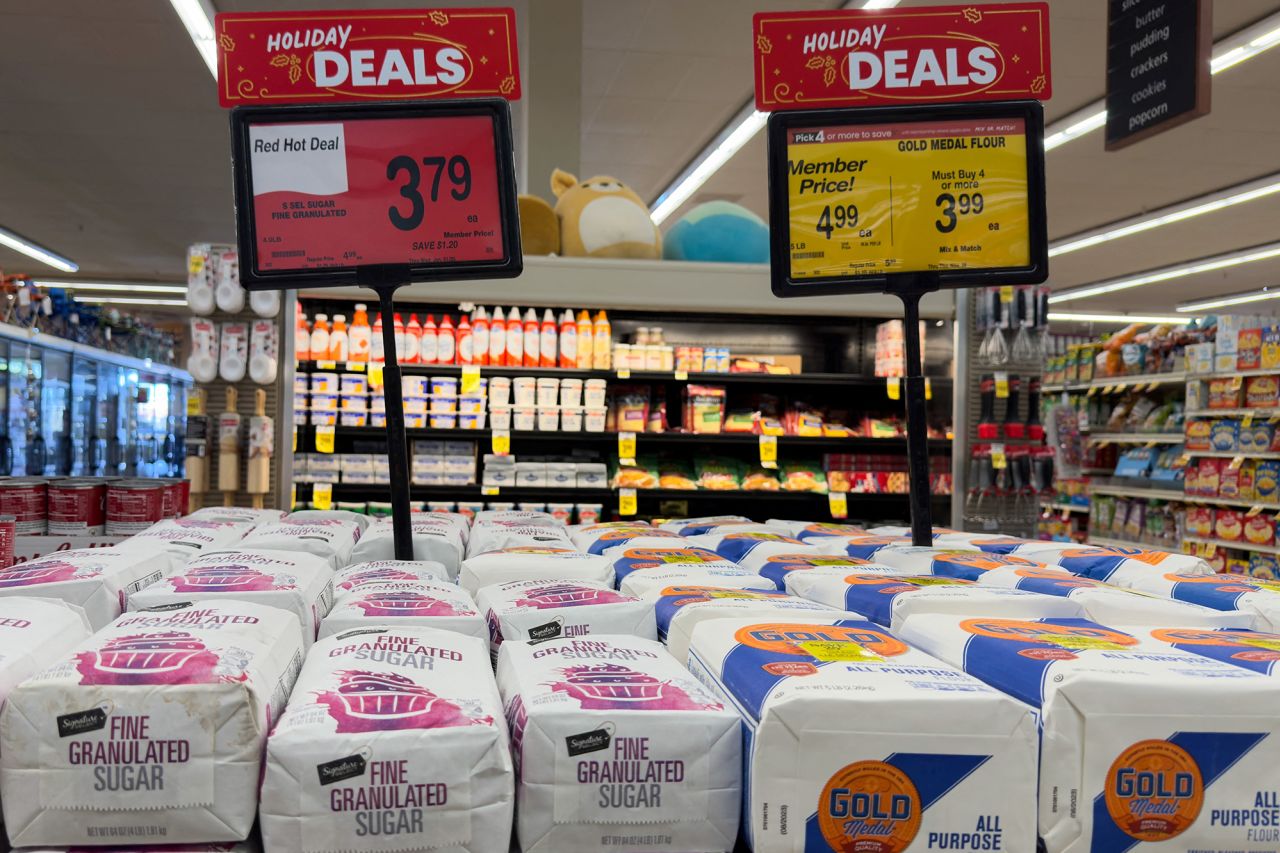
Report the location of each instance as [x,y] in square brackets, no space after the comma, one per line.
[1124,319]
[729,141]
[21,244]
[197,17]
[113,286]
[124,300]
[1234,299]
[1216,262]
[1198,206]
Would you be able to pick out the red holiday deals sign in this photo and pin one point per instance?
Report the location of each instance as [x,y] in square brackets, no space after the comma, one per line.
[319,57]
[854,58]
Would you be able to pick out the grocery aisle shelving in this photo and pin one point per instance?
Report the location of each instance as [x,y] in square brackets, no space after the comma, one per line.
[1136,438]
[1239,546]
[1132,492]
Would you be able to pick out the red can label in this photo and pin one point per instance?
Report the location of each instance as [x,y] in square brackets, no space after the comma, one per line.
[132,508]
[6,541]
[76,509]
[25,500]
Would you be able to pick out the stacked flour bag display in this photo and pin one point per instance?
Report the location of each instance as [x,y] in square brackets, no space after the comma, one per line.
[870,546]
[642,571]
[1143,746]
[152,728]
[613,739]
[1119,565]
[295,581]
[701,524]
[436,538]
[777,567]
[97,580]
[332,536]
[600,538]
[1253,598]
[549,609]
[807,531]
[678,610]
[864,743]
[751,550]
[394,740]
[417,603]
[889,599]
[964,564]
[356,575]
[532,563]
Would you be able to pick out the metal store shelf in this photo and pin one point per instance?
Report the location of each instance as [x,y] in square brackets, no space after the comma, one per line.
[1231,454]
[1136,438]
[1060,507]
[1130,492]
[1239,546]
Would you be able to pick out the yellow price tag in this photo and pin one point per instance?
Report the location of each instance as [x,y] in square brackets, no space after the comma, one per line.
[502,442]
[928,389]
[1210,549]
[1247,420]
[355,367]
[1006,294]
[1002,385]
[627,448]
[998,459]
[324,438]
[972,201]
[327,365]
[1182,461]
[1111,389]
[769,451]
[894,387]
[624,373]
[293,496]
[1236,462]
[626,501]
[322,495]
[295,438]
[470,379]
[839,504]
[1254,510]
[195,402]
[1274,419]
[375,375]
[1236,382]
[682,375]
[489,490]
[1093,389]
[1151,444]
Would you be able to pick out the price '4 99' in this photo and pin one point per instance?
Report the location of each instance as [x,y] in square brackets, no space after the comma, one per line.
[459,173]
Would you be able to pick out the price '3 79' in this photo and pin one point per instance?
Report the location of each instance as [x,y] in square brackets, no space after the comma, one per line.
[459,172]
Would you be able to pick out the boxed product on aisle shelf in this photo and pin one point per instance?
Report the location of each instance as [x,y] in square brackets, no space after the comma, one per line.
[1224,435]
[1260,529]
[358,575]
[1116,709]
[95,580]
[405,604]
[1262,392]
[539,563]
[1224,393]
[214,675]
[543,610]
[1263,567]
[1228,525]
[588,716]
[1237,482]
[865,742]
[680,609]
[1249,349]
[1199,521]
[531,475]
[1199,358]
[393,740]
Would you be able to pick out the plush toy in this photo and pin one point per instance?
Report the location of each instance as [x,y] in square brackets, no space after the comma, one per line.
[718,231]
[603,218]
[539,228]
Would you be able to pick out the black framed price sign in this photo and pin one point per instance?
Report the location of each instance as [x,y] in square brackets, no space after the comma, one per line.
[949,195]
[424,190]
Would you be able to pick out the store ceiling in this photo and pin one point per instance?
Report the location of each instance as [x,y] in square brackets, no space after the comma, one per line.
[114,151]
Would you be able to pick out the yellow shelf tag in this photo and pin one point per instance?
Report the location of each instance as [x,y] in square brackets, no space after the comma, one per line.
[624,373]
[295,438]
[375,375]
[626,448]
[769,451]
[502,442]
[324,438]
[1236,382]
[322,495]
[195,402]
[326,365]
[1210,550]
[998,460]
[682,375]
[839,503]
[355,367]
[1002,385]
[293,496]
[1006,294]
[894,388]
[1254,510]
[489,490]
[626,501]
[1236,462]
[1093,389]
[928,389]
[1247,421]
[470,379]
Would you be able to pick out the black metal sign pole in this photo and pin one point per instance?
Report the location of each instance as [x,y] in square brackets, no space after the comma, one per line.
[920,495]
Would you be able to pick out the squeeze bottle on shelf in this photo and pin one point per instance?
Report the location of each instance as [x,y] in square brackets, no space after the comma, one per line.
[412,340]
[515,338]
[429,343]
[568,339]
[399,327]
[320,338]
[377,351]
[446,342]
[338,343]
[359,336]
[602,349]
[532,331]
[479,337]
[547,340]
[498,338]
[585,339]
[301,337]
[466,344]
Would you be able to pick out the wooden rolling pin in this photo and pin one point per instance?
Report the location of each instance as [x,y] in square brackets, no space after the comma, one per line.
[262,434]
[229,423]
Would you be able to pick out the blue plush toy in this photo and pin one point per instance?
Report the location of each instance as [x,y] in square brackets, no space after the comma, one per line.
[718,231]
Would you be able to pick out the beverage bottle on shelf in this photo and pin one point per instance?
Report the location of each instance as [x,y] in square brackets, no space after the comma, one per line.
[338,343]
[532,331]
[602,337]
[586,336]
[359,336]
[428,344]
[412,340]
[547,340]
[568,339]
[399,327]
[302,337]
[479,336]
[466,341]
[498,338]
[446,342]
[377,351]
[320,338]
[515,338]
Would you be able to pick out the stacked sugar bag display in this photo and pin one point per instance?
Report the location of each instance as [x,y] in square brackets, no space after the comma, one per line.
[96,580]
[356,575]
[331,535]
[184,539]
[403,604]
[513,564]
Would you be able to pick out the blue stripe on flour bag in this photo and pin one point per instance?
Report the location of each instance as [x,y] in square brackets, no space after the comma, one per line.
[1252,650]
[676,598]
[635,559]
[735,546]
[999,544]
[866,547]
[971,565]
[1214,753]
[1050,582]
[873,595]
[1100,563]
[933,774]
[1217,591]
[777,567]
[612,539]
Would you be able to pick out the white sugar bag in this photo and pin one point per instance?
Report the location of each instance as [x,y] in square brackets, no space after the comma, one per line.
[515,516]
[867,744]
[358,518]
[498,535]
[1143,747]
[457,520]
[236,513]
[887,600]
[34,634]
[544,610]
[396,604]
[186,538]
[394,740]
[614,739]
[295,581]
[354,576]
[503,566]
[1112,605]
[331,538]
[436,541]
[645,584]
[154,724]
[97,580]
[1254,598]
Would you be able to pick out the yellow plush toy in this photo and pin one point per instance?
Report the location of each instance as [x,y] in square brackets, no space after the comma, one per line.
[603,218]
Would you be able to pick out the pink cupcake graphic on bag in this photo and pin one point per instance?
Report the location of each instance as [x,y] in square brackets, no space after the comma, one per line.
[609,687]
[165,657]
[383,575]
[408,604]
[49,571]
[567,595]
[224,579]
[376,701]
